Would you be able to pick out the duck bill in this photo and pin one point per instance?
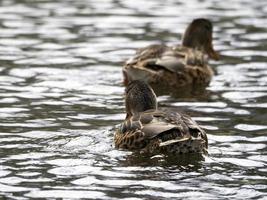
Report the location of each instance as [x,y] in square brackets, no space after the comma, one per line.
[125,78]
[212,53]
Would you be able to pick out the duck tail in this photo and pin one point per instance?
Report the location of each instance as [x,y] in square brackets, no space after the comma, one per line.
[184,145]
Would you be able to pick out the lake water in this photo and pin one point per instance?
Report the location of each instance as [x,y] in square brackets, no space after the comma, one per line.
[62,93]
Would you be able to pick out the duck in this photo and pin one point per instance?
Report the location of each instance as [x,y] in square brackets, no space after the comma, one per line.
[176,68]
[148,129]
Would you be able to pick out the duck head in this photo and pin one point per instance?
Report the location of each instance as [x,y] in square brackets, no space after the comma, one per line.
[198,35]
[139,97]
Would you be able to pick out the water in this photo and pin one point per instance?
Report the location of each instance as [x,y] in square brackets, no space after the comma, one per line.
[61,93]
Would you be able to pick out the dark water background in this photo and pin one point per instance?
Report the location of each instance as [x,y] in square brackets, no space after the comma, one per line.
[61,91]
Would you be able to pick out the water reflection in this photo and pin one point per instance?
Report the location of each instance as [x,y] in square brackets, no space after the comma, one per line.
[61,93]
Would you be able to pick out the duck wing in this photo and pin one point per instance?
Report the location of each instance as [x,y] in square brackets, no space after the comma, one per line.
[156,57]
[171,127]
[154,129]
[172,61]
[149,52]
[158,122]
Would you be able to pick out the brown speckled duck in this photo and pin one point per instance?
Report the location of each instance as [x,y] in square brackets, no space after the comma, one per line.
[179,67]
[154,131]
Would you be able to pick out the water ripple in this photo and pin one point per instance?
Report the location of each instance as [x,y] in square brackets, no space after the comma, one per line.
[62,93]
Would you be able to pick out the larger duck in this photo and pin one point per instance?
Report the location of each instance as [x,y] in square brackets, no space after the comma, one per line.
[178,67]
[148,129]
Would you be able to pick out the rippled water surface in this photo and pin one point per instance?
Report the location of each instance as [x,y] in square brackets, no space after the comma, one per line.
[61,93]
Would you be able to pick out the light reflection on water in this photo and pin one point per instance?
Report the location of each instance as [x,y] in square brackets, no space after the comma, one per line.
[61,95]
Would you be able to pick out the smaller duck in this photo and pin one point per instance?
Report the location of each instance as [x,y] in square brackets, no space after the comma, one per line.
[148,129]
[179,67]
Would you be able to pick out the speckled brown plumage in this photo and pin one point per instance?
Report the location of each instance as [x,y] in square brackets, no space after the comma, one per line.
[179,66]
[152,130]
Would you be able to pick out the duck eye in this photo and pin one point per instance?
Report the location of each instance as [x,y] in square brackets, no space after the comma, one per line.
[208,27]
